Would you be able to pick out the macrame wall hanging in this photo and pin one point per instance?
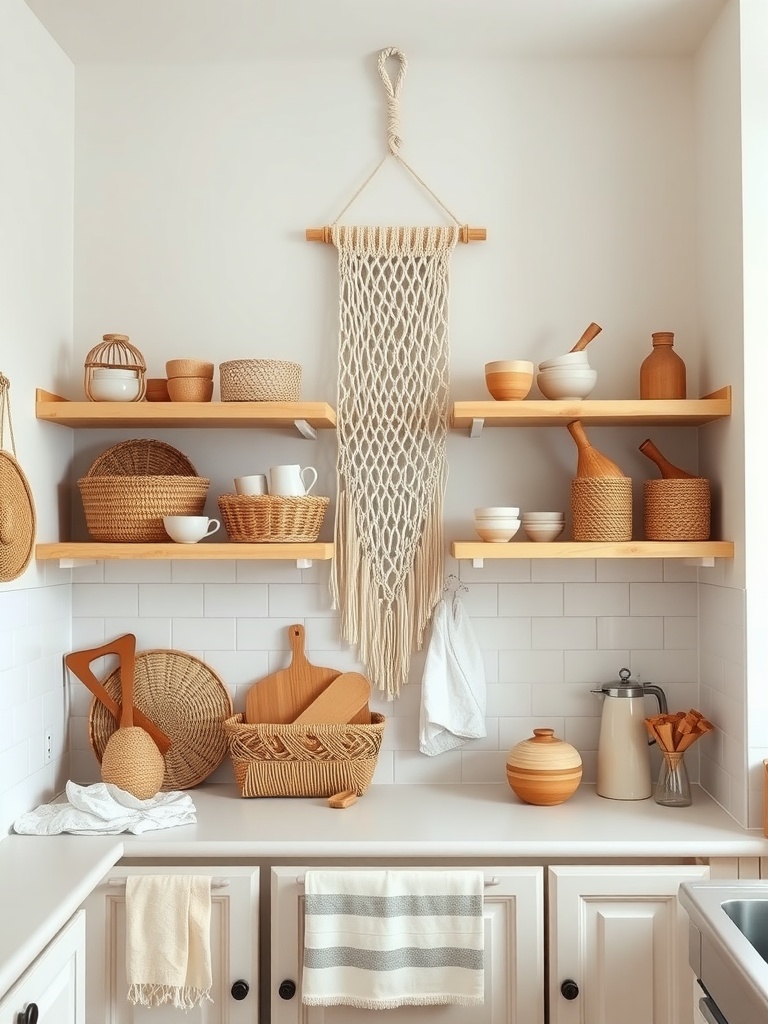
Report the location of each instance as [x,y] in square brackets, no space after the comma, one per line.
[393,386]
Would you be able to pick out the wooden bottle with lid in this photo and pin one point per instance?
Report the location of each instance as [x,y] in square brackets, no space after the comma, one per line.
[662,373]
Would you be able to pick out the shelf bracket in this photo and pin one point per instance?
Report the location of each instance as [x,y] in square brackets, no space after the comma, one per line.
[478,563]
[77,563]
[305,429]
[478,422]
[701,563]
[303,563]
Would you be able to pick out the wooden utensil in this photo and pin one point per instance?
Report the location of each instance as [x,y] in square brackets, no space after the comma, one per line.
[341,701]
[282,696]
[668,471]
[79,662]
[345,798]
[591,332]
[591,462]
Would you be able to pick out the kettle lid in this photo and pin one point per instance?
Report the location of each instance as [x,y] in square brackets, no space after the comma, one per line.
[623,688]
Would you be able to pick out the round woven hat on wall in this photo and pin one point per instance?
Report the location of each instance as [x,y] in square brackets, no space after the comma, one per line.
[17,519]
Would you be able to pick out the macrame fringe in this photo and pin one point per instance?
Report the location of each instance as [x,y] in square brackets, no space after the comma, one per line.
[435,999]
[180,997]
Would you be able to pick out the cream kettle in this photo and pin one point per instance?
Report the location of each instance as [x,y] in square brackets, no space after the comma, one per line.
[623,761]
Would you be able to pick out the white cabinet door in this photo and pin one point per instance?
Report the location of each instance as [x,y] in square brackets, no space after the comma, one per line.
[234,949]
[514,957]
[619,935]
[55,983]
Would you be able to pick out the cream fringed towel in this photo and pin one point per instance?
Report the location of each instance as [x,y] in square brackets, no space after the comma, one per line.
[382,939]
[167,944]
[392,422]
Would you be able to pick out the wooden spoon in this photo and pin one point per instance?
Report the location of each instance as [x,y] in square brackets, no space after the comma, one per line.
[591,332]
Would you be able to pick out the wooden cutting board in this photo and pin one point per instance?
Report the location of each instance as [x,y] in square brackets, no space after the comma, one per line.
[282,696]
[341,701]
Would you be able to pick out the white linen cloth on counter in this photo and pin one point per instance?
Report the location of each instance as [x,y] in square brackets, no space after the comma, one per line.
[382,939]
[168,940]
[104,809]
[453,694]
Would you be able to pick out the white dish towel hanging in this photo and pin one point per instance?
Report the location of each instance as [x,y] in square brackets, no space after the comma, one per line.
[453,692]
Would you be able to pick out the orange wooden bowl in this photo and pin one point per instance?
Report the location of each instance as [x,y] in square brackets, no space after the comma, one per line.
[509,379]
[544,770]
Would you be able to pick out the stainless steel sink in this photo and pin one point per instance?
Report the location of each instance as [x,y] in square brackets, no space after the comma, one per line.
[751,918]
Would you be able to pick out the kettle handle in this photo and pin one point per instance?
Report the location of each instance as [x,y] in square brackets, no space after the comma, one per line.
[661,700]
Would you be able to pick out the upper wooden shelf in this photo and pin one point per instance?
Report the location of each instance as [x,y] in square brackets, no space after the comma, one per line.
[703,552]
[74,551]
[306,417]
[667,412]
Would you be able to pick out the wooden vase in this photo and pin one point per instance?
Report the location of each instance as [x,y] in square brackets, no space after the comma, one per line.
[544,770]
[662,373]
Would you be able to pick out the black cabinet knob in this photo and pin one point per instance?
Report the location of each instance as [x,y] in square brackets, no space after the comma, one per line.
[569,989]
[29,1016]
[287,989]
[240,989]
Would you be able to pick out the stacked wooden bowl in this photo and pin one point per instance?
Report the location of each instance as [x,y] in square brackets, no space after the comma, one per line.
[189,380]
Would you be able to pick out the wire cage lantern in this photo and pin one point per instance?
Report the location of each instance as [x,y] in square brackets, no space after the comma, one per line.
[115,353]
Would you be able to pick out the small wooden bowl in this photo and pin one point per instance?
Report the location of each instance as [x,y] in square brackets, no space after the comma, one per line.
[544,770]
[509,379]
[157,390]
[189,368]
[190,389]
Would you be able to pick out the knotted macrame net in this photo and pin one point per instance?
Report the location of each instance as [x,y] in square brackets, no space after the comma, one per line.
[387,573]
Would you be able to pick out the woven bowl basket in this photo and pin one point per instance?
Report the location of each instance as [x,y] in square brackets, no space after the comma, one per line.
[271,518]
[260,380]
[601,508]
[677,509]
[303,760]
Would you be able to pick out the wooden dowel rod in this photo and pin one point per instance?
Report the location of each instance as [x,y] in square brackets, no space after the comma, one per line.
[466,234]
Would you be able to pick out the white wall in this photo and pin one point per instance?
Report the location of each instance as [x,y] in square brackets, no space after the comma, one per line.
[194,187]
[36,211]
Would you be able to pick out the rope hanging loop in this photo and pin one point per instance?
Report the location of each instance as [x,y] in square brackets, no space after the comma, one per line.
[394,138]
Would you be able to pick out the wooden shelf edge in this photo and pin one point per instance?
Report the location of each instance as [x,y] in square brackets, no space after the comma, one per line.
[97,550]
[55,409]
[579,549]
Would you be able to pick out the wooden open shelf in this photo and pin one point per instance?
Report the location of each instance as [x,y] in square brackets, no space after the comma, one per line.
[98,550]
[306,417]
[694,549]
[680,412]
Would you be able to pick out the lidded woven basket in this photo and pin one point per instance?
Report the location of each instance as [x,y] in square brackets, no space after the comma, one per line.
[272,518]
[677,509]
[115,353]
[260,380]
[131,486]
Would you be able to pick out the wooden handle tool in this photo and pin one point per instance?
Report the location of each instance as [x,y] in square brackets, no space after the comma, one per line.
[591,332]
[591,462]
[345,798]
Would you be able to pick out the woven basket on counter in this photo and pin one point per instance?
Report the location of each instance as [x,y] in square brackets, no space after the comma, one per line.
[677,509]
[272,518]
[131,486]
[260,380]
[303,760]
[601,508]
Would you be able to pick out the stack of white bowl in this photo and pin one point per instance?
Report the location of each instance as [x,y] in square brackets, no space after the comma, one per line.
[112,384]
[566,378]
[497,524]
[543,526]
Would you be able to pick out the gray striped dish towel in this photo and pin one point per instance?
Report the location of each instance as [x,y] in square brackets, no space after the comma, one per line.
[382,939]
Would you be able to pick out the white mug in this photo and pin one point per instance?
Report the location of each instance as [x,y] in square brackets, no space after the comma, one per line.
[256,484]
[189,529]
[289,480]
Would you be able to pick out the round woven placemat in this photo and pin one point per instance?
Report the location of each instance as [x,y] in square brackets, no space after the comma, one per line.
[183,697]
[18,521]
[142,456]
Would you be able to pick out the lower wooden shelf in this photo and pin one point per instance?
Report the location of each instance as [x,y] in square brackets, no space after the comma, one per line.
[703,551]
[98,550]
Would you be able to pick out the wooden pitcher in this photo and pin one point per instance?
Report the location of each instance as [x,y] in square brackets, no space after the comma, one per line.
[591,462]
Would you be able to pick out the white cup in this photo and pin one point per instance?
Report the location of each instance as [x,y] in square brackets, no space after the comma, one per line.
[289,480]
[189,529]
[255,484]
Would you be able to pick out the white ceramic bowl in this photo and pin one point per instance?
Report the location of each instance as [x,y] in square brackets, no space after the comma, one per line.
[498,524]
[496,510]
[542,517]
[568,359]
[562,385]
[118,389]
[543,532]
[494,535]
[113,373]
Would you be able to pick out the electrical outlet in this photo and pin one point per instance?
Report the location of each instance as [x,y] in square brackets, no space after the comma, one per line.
[48,747]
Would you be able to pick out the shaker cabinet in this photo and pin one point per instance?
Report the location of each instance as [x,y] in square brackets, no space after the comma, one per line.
[618,945]
[514,956]
[234,949]
[52,990]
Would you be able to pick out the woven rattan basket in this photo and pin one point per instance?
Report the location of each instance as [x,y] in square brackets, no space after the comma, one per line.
[131,486]
[303,760]
[271,518]
[601,508]
[260,380]
[677,509]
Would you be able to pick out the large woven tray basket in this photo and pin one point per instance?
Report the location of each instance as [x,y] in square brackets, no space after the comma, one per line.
[272,518]
[303,760]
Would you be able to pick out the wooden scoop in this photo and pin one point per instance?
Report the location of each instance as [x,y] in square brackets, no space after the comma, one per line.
[668,471]
[591,332]
[340,701]
[591,462]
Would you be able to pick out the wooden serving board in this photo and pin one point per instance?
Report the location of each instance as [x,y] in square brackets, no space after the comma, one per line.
[282,696]
[341,701]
